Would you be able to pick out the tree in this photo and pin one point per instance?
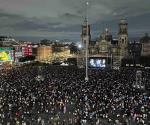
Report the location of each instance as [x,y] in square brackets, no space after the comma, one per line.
[72,61]
[27,58]
[73,48]
[44,42]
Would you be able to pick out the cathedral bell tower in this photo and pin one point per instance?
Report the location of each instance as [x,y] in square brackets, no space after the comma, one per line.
[84,34]
[123,37]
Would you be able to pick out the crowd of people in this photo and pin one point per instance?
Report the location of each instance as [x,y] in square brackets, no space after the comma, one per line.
[56,95]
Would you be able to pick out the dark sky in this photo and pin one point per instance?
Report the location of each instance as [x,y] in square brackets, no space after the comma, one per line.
[62,19]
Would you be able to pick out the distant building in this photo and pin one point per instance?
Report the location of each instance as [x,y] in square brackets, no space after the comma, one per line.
[27,50]
[134,52]
[7,41]
[17,53]
[44,53]
[24,50]
[145,41]
[60,47]
[34,49]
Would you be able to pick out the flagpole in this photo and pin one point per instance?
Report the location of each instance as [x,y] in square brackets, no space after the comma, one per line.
[87,42]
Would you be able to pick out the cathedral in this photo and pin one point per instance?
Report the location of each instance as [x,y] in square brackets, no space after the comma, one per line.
[113,50]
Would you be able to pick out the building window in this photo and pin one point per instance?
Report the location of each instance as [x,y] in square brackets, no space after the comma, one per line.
[122,41]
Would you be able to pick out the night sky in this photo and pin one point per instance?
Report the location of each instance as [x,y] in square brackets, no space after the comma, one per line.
[62,19]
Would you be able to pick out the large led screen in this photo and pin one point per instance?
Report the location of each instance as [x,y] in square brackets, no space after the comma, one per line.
[6,54]
[97,62]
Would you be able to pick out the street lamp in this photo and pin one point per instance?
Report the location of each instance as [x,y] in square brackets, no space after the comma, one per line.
[79,46]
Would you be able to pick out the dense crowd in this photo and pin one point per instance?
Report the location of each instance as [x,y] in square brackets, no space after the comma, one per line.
[61,96]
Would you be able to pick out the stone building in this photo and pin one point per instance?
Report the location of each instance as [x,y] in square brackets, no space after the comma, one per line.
[134,53]
[43,53]
[145,41]
[123,38]
[105,46]
[84,35]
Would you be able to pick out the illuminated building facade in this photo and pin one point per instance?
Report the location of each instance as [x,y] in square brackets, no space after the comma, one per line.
[105,46]
[17,53]
[27,50]
[44,53]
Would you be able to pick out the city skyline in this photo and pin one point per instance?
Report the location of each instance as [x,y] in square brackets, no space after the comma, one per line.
[62,19]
